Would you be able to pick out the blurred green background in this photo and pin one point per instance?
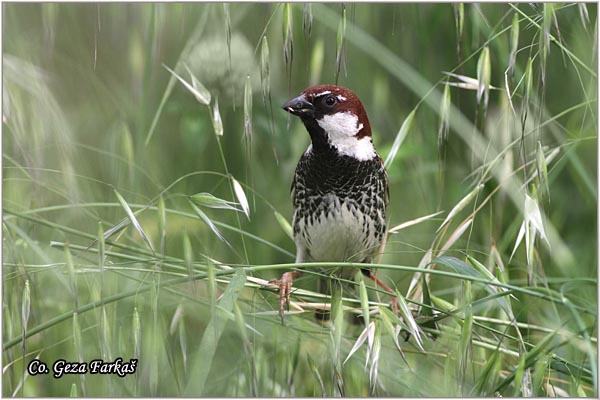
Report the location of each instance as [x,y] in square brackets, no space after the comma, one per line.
[96,128]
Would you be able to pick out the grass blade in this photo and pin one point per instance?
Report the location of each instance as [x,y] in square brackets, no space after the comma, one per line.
[404,129]
[415,221]
[209,200]
[461,205]
[241,196]
[216,119]
[284,224]
[341,39]
[265,71]
[248,112]
[465,336]
[444,127]
[408,318]
[208,222]
[514,43]
[203,357]
[484,72]
[134,220]
[288,40]
[198,94]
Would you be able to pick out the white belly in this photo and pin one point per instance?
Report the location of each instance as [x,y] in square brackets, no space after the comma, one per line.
[345,234]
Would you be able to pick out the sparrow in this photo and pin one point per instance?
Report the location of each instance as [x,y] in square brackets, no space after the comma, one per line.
[340,187]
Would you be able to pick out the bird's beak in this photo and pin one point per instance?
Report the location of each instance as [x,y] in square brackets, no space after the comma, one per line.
[298,106]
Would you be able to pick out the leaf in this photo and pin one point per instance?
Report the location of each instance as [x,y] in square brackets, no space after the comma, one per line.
[408,318]
[456,235]
[386,319]
[188,256]
[241,196]
[248,110]
[465,334]
[466,82]
[162,223]
[313,367]
[461,205]
[134,220]
[204,355]
[542,169]
[316,61]
[373,372]
[341,39]
[415,221]
[25,308]
[484,72]
[514,43]
[77,337]
[199,96]
[137,334]
[208,200]
[265,72]
[404,129]
[583,14]
[288,41]
[532,223]
[208,222]
[284,224]
[527,91]
[362,338]
[227,17]
[100,247]
[307,19]
[364,300]
[444,126]
[216,119]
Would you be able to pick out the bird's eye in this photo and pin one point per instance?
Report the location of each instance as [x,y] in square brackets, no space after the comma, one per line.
[330,101]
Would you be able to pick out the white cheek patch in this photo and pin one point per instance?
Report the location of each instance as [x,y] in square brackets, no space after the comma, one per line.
[341,129]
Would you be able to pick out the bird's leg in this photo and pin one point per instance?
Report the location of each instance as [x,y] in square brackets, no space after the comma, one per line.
[394,300]
[285,288]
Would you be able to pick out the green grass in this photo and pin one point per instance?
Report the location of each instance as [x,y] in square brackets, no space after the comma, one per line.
[141,220]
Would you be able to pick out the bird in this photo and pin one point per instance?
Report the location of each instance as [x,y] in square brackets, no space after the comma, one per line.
[340,189]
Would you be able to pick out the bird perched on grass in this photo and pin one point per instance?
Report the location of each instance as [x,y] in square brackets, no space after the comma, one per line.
[340,187]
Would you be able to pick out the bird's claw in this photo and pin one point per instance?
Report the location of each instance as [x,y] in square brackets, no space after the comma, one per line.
[394,304]
[285,289]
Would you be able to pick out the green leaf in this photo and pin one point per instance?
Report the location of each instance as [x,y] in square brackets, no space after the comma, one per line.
[444,127]
[288,40]
[25,308]
[248,110]
[200,93]
[284,224]
[241,196]
[204,355]
[265,71]
[208,222]
[133,219]
[461,205]
[188,256]
[208,200]
[404,129]
[484,72]
[408,318]
[216,119]
[514,43]
[73,392]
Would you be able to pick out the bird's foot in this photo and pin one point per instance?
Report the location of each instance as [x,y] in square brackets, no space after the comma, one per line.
[285,288]
[394,304]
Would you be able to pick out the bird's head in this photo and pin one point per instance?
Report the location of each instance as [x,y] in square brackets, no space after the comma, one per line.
[335,118]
